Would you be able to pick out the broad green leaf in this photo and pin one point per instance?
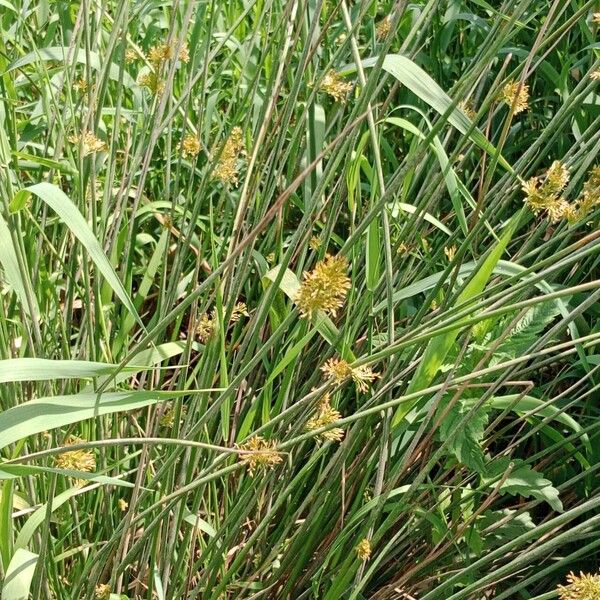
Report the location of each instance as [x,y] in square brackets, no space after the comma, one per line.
[438,347]
[425,87]
[44,414]
[61,53]
[60,203]
[42,369]
[19,575]
[524,481]
[19,201]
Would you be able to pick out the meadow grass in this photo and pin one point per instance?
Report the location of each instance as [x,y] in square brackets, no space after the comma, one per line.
[299,299]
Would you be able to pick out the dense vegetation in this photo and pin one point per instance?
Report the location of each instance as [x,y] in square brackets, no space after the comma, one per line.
[299,299]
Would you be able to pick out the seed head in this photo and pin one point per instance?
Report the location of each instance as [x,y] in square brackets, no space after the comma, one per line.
[324,288]
[205,328]
[89,143]
[513,93]
[596,18]
[191,146]
[315,242]
[76,460]
[450,252]
[261,453]
[335,86]
[544,193]
[227,167]
[130,55]
[580,587]
[152,81]
[239,310]
[363,549]
[595,75]
[325,415]
[467,107]
[81,85]
[123,504]
[383,28]
[339,370]
[102,591]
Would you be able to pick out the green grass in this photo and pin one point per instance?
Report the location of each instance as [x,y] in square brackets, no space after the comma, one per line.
[470,464]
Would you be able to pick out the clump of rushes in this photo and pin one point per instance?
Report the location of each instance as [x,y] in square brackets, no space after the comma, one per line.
[335,86]
[513,93]
[383,28]
[363,549]
[76,460]
[543,194]
[89,143]
[261,453]
[190,146]
[325,415]
[324,288]
[580,587]
[339,371]
[227,167]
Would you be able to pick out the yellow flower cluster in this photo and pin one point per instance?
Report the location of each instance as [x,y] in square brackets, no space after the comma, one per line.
[515,93]
[335,86]
[580,587]
[89,143]
[544,194]
[163,52]
[261,454]
[324,288]
[102,591]
[156,57]
[227,167]
[208,322]
[76,460]
[339,370]
[325,415]
[191,146]
[152,81]
[363,549]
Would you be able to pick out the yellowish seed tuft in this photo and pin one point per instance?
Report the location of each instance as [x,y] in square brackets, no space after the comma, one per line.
[467,107]
[543,194]
[205,328]
[239,310]
[227,167]
[450,252]
[191,146]
[513,93]
[383,28]
[595,75]
[596,18]
[81,85]
[152,81]
[123,504]
[261,453]
[102,591]
[76,460]
[339,370]
[325,415]
[315,242]
[89,143]
[130,55]
[335,86]
[324,288]
[363,549]
[580,587]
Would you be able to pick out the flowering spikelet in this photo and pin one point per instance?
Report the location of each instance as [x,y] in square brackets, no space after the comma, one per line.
[102,591]
[190,146]
[205,328]
[595,75]
[262,453]
[122,504]
[164,52]
[514,92]
[227,168]
[589,198]
[450,252]
[580,587]
[335,86]
[81,85]
[76,460]
[544,193]
[168,418]
[130,55]
[324,415]
[339,370]
[467,107]
[89,143]
[152,81]
[596,18]
[239,310]
[324,288]
[315,242]
[383,28]
[363,549]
